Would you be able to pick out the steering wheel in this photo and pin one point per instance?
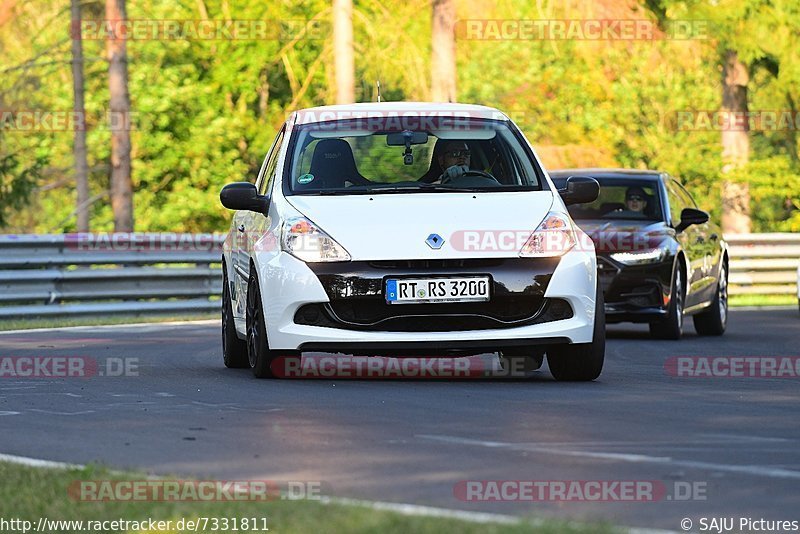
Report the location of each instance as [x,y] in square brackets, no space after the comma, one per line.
[445,178]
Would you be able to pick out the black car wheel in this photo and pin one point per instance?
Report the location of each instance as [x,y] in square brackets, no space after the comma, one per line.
[234,350]
[672,326]
[581,362]
[713,321]
[260,356]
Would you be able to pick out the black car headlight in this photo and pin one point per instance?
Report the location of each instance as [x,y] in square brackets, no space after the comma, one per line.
[652,255]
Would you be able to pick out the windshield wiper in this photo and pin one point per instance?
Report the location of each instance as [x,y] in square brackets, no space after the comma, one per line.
[423,187]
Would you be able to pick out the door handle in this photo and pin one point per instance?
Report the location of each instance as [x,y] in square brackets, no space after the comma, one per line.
[241,228]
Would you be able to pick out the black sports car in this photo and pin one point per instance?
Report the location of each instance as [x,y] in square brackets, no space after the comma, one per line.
[659,257]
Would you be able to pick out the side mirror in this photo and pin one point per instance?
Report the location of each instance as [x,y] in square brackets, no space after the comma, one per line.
[580,190]
[243,196]
[690,216]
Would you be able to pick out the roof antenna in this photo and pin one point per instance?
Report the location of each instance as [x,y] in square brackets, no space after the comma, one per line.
[378,83]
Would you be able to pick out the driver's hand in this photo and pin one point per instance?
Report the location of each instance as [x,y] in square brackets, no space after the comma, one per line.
[455,171]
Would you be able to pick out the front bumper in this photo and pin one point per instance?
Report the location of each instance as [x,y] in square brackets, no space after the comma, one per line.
[634,293]
[365,323]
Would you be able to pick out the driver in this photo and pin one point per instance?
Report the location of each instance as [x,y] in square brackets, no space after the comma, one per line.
[635,204]
[453,159]
[635,200]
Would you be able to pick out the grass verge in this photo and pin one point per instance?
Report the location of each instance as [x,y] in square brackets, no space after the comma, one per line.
[762,300]
[29,493]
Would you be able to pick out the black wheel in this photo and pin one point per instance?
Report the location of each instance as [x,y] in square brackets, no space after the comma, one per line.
[581,362]
[671,327]
[259,354]
[234,350]
[713,321]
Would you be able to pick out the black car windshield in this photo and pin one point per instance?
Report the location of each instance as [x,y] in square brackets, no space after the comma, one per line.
[354,156]
[621,198]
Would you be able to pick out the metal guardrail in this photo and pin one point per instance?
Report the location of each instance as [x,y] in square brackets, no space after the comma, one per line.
[764,264]
[151,273]
[105,274]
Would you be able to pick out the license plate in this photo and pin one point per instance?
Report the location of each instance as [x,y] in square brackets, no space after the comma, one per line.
[416,290]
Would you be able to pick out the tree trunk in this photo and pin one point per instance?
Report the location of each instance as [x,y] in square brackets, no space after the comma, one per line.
[79,143]
[735,145]
[121,184]
[343,51]
[443,52]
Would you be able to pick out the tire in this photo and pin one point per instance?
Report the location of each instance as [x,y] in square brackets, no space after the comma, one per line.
[581,362]
[259,355]
[671,327]
[714,320]
[234,350]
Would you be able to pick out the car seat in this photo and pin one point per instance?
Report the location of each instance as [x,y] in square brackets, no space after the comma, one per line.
[332,165]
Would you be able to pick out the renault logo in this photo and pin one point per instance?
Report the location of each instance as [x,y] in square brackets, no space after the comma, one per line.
[435,241]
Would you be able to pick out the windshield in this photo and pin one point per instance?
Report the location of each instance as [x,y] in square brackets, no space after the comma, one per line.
[627,199]
[465,154]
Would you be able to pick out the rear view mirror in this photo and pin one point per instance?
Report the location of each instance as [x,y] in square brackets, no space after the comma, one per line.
[690,216]
[243,196]
[406,138]
[580,190]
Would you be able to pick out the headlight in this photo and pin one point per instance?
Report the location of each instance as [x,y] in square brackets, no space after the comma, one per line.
[303,240]
[555,236]
[652,255]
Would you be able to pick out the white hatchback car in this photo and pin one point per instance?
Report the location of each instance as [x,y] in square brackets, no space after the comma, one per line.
[409,229]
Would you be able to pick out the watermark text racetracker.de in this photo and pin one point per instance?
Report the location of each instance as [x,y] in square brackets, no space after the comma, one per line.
[200,29]
[57,120]
[733,366]
[146,242]
[67,367]
[579,490]
[380,367]
[165,490]
[581,29]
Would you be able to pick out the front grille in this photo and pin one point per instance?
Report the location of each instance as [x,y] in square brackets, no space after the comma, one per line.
[373,315]
[642,296]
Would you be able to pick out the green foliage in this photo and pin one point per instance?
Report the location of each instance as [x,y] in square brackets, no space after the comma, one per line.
[16,183]
[775,189]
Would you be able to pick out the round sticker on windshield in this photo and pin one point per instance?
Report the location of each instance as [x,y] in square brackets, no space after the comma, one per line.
[305,179]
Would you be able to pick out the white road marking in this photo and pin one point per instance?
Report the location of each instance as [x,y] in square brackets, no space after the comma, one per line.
[35,462]
[428,511]
[755,470]
[52,412]
[10,413]
[738,437]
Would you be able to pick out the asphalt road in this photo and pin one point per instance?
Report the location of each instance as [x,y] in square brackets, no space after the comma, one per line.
[412,441]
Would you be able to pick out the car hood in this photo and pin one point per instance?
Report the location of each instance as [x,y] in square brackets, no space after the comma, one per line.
[396,226]
[625,235]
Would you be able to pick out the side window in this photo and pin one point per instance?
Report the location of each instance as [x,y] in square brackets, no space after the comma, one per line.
[676,203]
[685,196]
[270,163]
